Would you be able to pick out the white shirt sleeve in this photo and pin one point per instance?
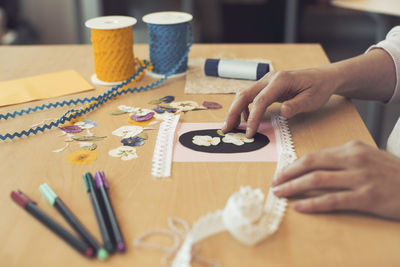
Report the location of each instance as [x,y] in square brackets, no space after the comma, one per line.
[392,46]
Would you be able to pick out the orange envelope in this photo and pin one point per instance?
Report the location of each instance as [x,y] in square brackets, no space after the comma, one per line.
[42,87]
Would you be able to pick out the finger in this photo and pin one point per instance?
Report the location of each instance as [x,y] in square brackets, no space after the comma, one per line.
[345,200]
[296,105]
[303,102]
[264,99]
[241,102]
[245,114]
[316,180]
[327,159]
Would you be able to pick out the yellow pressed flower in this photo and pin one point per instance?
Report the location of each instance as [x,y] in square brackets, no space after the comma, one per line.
[82,157]
[140,123]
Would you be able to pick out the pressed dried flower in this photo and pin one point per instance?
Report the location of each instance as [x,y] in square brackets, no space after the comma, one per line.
[220,133]
[205,140]
[237,139]
[71,129]
[127,108]
[82,157]
[184,105]
[132,141]
[87,138]
[167,99]
[123,152]
[143,135]
[171,110]
[211,105]
[88,146]
[86,124]
[128,131]
[145,117]
[155,102]
[159,110]
[117,112]
[141,123]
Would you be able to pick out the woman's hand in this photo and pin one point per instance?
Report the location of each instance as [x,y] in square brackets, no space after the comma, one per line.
[300,91]
[369,76]
[367,180]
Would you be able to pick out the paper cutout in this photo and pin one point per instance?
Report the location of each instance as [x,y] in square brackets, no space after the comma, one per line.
[230,145]
[267,153]
[42,87]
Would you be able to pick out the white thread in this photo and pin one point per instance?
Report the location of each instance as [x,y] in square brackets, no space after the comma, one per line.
[178,234]
[43,122]
[162,157]
[61,149]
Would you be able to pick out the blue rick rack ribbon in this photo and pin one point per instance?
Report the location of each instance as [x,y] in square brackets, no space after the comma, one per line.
[94,102]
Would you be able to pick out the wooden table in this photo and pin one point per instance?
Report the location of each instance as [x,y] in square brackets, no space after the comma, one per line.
[143,203]
[387,7]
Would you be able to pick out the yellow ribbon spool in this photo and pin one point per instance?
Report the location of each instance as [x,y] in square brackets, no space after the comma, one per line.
[112,40]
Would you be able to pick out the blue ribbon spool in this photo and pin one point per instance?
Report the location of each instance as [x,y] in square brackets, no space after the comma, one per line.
[170,35]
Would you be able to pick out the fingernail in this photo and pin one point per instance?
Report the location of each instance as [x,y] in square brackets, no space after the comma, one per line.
[249,132]
[277,191]
[276,188]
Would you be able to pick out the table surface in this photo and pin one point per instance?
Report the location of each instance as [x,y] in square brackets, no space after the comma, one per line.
[387,7]
[143,203]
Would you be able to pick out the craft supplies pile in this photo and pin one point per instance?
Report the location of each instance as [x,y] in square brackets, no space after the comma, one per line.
[248,215]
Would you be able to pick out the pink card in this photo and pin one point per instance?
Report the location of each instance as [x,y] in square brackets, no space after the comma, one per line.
[268,153]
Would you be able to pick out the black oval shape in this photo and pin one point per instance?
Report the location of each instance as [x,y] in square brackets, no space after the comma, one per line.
[186,139]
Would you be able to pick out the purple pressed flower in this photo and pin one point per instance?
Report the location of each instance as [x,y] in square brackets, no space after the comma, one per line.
[171,110]
[159,110]
[211,105]
[146,117]
[71,129]
[132,141]
[167,99]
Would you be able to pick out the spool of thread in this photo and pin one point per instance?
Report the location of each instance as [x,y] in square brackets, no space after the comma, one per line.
[169,35]
[236,69]
[112,40]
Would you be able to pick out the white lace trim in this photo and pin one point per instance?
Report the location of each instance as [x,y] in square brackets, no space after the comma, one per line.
[162,156]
